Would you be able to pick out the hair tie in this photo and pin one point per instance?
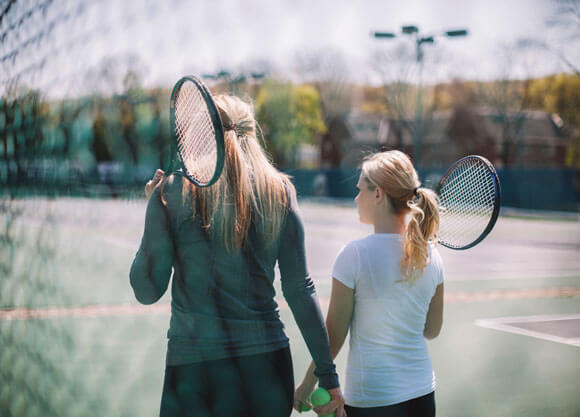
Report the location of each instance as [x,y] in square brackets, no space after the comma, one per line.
[415,191]
[238,129]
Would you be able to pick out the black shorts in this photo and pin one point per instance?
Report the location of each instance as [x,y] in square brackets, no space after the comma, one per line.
[417,407]
[256,385]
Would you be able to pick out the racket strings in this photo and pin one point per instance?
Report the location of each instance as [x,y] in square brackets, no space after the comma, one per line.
[195,133]
[467,205]
[467,202]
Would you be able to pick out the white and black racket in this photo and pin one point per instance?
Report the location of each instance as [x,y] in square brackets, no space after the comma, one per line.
[197,131]
[469,196]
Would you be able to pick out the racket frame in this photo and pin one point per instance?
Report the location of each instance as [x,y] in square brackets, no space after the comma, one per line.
[217,125]
[497,200]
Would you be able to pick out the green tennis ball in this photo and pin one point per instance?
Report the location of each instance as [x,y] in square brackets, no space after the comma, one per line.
[320,397]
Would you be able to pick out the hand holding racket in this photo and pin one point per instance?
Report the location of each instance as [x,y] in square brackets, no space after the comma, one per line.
[152,183]
[469,195]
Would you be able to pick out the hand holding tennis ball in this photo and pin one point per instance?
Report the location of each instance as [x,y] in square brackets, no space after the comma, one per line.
[319,398]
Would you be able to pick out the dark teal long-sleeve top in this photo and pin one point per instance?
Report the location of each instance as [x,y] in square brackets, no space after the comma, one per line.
[223,300]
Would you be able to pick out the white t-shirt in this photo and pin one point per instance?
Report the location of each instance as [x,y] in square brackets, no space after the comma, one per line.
[388,361]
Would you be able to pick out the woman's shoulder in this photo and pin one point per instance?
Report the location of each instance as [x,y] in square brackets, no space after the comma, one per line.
[353,247]
[357,243]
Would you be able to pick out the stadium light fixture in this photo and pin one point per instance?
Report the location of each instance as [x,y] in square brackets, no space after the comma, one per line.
[383,34]
[456,33]
[410,29]
[420,40]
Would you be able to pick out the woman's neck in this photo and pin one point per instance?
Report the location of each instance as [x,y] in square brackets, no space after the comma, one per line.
[390,224]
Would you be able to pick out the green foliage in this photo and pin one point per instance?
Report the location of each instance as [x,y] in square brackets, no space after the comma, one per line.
[48,139]
[289,116]
[558,94]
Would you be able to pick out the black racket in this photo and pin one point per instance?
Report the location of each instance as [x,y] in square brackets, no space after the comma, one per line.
[469,195]
[198,132]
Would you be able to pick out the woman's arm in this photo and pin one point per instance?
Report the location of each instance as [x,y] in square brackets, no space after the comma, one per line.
[151,268]
[300,294]
[434,320]
[339,315]
[337,323]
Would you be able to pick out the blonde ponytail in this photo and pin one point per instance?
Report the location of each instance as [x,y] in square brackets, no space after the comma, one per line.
[422,227]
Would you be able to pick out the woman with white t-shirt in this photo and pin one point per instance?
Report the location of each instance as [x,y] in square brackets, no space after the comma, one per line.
[388,289]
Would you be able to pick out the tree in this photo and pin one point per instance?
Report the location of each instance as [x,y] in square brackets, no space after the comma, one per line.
[396,69]
[509,97]
[289,116]
[327,71]
[560,94]
[565,19]
[561,34]
[22,114]
[407,101]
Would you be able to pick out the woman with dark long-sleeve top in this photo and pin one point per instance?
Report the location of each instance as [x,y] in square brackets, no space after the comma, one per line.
[227,351]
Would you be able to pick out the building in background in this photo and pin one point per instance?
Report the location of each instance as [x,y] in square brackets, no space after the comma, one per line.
[531,139]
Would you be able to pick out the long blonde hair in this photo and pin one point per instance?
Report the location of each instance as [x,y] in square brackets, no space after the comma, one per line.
[250,189]
[394,173]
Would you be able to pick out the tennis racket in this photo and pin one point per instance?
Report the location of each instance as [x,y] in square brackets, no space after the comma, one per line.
[197,132]
[469,195]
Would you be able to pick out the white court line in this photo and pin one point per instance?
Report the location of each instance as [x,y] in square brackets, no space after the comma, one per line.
[504,324]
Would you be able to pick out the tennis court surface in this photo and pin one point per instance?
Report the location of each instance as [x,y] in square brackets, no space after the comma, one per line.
[76,343]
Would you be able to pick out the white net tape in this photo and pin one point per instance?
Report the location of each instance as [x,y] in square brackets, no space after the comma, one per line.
[195,133]
[467,201]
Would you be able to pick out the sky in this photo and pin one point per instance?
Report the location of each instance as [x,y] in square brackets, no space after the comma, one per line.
[70,42]
[277,31]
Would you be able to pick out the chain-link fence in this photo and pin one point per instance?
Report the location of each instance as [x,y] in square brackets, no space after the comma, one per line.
[78,135]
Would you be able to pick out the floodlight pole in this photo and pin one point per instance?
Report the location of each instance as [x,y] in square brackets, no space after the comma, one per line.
[418,130]
[419,41]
